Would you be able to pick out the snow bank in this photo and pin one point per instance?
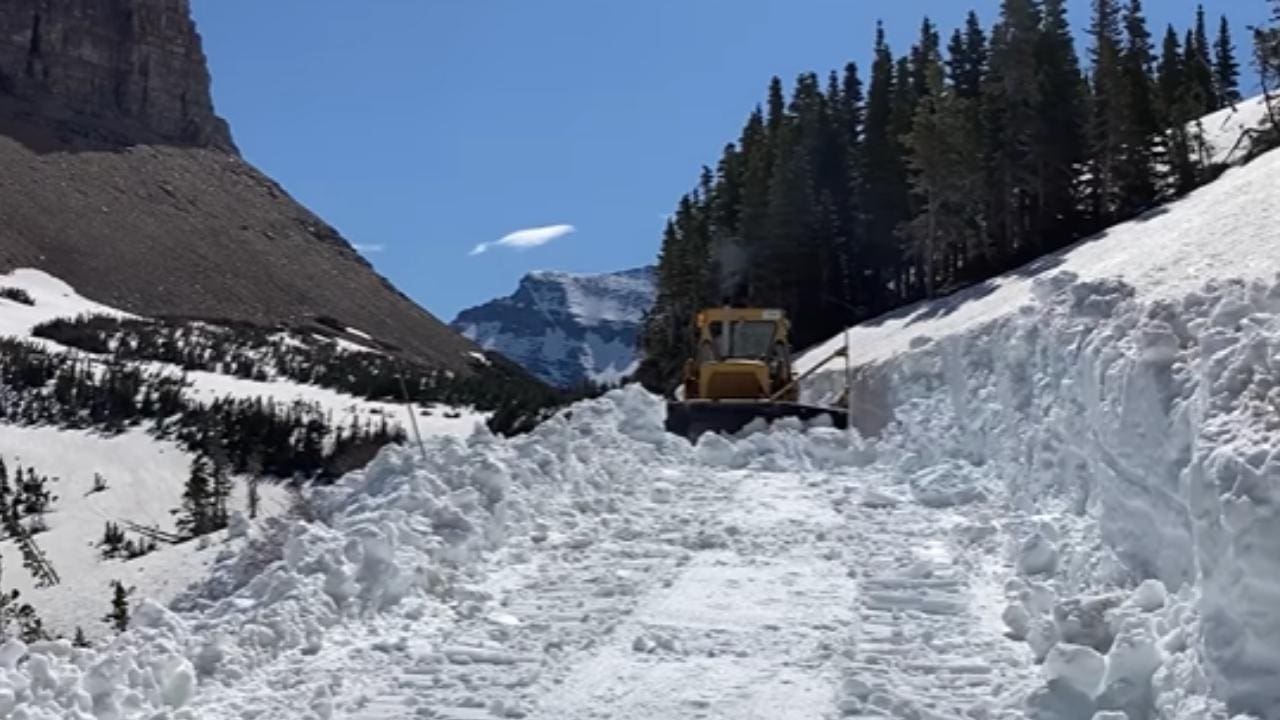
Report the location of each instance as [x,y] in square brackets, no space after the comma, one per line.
[1146,432]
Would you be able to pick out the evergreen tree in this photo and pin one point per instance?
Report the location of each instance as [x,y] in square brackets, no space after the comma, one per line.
[221,490]
[113,540]
[1107,121]
[1198,67]
[753,213]
[80,640]
[1059,149]
[851,203]
[1226,70]
[967,58]
[197,512]
[777,104]
[118,617]
[1178,112]
[924,54]
[945,160]
[1010,102]
[883,179]
[1135,169]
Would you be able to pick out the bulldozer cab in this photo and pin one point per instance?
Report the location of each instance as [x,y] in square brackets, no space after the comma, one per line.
[740,373]
[742,354]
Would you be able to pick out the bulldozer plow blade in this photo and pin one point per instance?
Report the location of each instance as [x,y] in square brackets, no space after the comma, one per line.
[692,419]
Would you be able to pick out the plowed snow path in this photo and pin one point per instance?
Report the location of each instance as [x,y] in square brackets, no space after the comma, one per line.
[747,595]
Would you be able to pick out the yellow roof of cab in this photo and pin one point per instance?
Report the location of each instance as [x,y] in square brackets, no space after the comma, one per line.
[730,314]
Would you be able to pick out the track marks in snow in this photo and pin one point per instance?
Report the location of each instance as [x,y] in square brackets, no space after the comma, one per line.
[750,628]
[754,595]
[929,643]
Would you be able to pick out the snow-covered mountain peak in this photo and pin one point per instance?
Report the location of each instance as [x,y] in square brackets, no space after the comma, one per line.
[591,299]
[566,327]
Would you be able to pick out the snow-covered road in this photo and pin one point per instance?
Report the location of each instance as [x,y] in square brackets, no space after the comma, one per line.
[742,594]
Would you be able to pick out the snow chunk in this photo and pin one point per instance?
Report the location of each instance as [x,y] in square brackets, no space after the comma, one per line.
[1149,596]
[1080,667]
[877,498]
[1086,620]
[1018,620]
[1037,556]
[946,485]
[10,653]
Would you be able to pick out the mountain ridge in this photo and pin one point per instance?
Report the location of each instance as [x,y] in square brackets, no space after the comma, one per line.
[566,328]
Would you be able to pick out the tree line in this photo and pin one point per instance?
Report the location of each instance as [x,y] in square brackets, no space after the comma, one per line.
[497,385]
[961,159]
[285,440]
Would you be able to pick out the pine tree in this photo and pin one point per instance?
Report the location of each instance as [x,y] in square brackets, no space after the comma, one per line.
[80,640]
[883,178]
[850,200]
[1178,112]
[1107,120]
[1059,147]
[924,54]
[967,59]
[1135,167]
[753,213]
[118,618]
[945,160]
[1198,67]
[221,490]
[1010,102]
[197,513]
[112,540]
[777,104]
[1226,71]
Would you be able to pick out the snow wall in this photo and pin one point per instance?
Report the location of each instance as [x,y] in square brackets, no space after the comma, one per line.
[1154,424]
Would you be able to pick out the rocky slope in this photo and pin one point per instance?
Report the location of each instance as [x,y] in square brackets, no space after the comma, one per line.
[566,328]
[120,179]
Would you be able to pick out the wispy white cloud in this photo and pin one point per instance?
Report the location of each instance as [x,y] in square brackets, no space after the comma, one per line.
[370,248]
[526,238]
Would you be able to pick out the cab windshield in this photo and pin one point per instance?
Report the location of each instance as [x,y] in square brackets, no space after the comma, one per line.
[746,339]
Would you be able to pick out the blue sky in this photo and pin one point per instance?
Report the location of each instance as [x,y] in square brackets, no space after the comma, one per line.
[423,129]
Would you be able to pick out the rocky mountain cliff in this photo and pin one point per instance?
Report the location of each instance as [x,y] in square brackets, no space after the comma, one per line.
[566,328]
[120,179]
[124,70]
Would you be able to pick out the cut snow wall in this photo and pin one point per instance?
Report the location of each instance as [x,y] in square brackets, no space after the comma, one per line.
[1158,420]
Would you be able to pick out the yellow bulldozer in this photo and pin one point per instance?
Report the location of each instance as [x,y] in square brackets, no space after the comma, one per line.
[741,371]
